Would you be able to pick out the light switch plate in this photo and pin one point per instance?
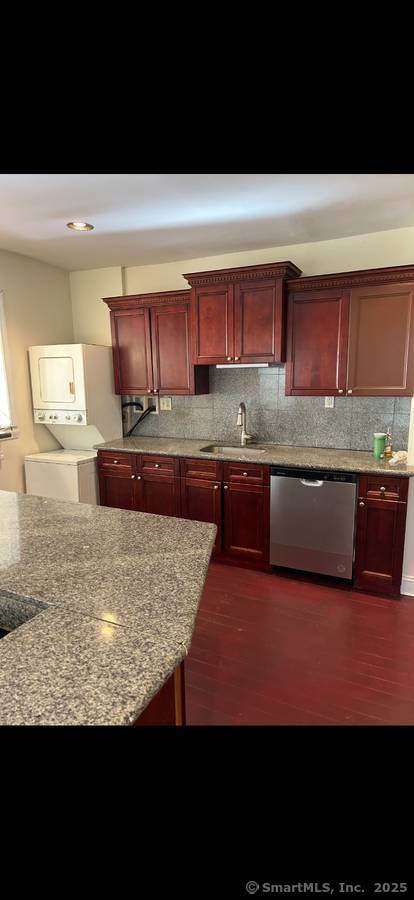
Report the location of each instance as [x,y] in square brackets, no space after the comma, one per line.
[329,402]
[165,403]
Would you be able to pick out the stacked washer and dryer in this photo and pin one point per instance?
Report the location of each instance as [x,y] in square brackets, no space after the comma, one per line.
[73,395]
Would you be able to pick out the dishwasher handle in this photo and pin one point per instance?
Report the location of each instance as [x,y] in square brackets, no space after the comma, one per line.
[307,482]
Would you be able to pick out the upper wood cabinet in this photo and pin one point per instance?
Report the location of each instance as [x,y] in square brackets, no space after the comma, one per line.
[352,334]
[239,314]
[381,334]
[317,342]
[151,342]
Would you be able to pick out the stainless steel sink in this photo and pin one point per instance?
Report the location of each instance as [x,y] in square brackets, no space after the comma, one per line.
[233,449]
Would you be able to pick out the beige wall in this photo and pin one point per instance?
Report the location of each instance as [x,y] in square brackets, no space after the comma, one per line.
[91,316]
[38,311]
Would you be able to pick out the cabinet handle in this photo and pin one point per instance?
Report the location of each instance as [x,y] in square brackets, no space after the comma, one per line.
[229,359]
[149,391]
[138,477]
[226,487]
[236,357]
[132,476]
[244,473]
[156,465]
[340,391]
[362,503]
[216,487]
[114,461]
[155,391]
[382,489]
[349,392]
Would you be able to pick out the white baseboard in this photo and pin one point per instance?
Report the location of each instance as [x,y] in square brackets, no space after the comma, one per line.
[407,585]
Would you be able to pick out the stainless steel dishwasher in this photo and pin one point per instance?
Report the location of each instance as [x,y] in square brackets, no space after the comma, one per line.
[312,520]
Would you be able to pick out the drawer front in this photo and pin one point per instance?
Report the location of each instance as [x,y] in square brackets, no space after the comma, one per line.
[383,487]
[118,463]
[207,469]
[160,465]
[247,473]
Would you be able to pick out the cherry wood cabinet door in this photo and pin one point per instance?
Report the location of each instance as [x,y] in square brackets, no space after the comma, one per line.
[381,341]
[161,495]
[201,501]
[131,346]
[317,342]
[213,324]
[120,491]
[379,546]
[259,321]
[246,521]
[170,333]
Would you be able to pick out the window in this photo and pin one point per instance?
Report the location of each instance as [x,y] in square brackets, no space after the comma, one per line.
[7,425]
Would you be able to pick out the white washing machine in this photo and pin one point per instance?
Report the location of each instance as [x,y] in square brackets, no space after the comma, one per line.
[63,475]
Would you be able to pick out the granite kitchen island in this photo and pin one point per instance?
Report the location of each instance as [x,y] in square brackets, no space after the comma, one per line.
[102,603]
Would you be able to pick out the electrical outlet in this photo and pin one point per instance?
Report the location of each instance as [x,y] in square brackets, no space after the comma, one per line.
[165,403]
[329,402]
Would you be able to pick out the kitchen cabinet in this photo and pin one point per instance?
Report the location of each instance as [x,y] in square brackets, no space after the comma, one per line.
[317,343]
[351,334]
[144,484]
[119,490]
[117,473]
[381,341]
[201,500]
[246,522]
[380,532]
[131,345]
[161,495]
[238,315]
[238,505]
[151,343]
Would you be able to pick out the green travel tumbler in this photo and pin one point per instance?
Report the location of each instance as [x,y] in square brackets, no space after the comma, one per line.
[379,444]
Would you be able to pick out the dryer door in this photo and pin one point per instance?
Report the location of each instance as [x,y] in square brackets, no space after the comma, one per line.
[58,380]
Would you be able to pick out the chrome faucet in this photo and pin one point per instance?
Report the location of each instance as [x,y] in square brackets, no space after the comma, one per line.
[241,421]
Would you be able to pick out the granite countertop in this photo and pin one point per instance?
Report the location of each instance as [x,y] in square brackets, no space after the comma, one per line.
[274,454]
[112,596]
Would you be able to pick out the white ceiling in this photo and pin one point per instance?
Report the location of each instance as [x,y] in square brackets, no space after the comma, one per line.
[143,219]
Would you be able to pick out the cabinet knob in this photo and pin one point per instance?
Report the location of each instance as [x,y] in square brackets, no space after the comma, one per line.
[340,391]
[244,473]
[226,487]
[382,489]
[349,392]
[229,359]
[138,477]
[155,391]
[149,391]
[156,465]
[132,476]
[237,357]
[362,503]
[216,487]
[115,461]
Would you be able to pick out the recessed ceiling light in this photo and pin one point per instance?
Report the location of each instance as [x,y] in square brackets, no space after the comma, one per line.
[80,226]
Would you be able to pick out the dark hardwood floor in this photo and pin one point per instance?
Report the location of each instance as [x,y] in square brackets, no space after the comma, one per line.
[272,650]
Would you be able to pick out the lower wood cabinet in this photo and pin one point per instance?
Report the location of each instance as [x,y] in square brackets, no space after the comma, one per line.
[126,482]
[160,495]
[380,533]
[238,505]
[201,499]
[118,490]
[246,522]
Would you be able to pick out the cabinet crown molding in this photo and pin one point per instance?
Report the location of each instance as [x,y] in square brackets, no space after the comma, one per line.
[244,273]
[159,298]
[388,275]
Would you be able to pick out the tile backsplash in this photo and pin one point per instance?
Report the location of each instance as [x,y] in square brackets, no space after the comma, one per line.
[275,418]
